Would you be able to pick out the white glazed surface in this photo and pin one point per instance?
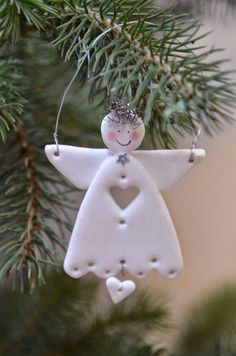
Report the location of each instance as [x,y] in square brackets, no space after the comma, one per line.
[142,235]
[122,137]
[119,290]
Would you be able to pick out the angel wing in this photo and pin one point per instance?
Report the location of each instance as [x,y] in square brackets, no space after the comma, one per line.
[78,164]
[167,166]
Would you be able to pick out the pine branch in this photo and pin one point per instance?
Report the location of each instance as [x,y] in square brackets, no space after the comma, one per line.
[17,16]
[26,321]
[135,317]
[34,199]
[11,99]
[153,58]
[30,200]
[129,315]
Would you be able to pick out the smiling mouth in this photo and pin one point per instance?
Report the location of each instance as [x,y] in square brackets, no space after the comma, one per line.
[124,144]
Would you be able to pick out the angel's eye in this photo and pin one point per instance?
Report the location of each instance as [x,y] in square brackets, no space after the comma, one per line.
[118,130]
[128,131]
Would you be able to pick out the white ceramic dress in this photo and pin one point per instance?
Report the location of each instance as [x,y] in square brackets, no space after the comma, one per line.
[109,235]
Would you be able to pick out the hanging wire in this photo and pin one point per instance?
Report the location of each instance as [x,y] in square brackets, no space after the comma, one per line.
[87,55]
[194,145]
[81,62]
[122,271]
[55,135]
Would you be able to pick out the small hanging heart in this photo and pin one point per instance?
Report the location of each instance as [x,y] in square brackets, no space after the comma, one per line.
[119,290]
[123,197]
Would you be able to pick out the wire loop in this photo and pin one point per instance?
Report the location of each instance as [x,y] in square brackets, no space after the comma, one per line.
[55,134]
[122,272]
[85,50]
[194,145]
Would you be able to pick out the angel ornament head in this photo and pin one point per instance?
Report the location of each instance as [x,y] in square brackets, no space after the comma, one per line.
[122,129]
[111,238]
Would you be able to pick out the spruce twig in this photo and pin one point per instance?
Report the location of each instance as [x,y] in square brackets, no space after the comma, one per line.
[26,322]
[34,199]
[153,58]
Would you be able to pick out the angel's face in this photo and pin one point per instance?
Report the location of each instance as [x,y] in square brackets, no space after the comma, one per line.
[122,137]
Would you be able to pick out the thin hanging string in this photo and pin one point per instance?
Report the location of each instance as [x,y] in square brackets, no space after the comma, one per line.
[122,272]
[194,145]
[55,135]
[87,54]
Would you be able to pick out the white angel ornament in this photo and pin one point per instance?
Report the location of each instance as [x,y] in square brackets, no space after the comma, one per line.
[110,236]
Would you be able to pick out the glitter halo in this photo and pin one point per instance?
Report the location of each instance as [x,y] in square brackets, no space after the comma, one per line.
[120,112]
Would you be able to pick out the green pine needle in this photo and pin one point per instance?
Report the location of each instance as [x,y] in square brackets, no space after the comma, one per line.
[34,199]
[152,58]
[11,99]
[66,317]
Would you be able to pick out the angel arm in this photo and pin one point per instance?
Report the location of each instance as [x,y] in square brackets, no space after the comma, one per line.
[78,164]
[166,167]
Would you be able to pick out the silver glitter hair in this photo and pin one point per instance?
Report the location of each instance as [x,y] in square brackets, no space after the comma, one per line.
[120,112]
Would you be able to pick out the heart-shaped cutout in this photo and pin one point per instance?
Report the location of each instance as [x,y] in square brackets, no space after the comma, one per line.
[123,197]
[119,290]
